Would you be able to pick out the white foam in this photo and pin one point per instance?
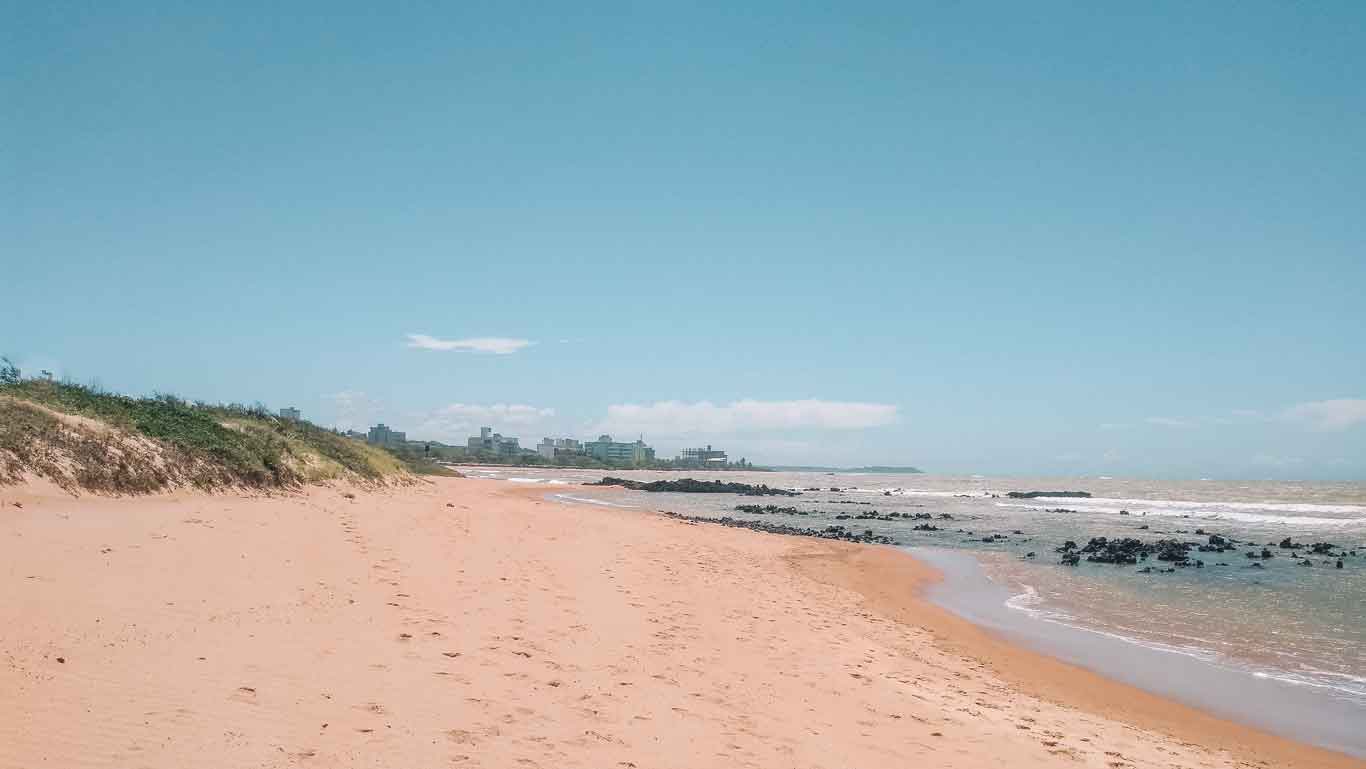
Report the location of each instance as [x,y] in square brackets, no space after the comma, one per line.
[1355,512]
[1030,603]
[1357,692]
[1243,512]
[978,493]
[587,500]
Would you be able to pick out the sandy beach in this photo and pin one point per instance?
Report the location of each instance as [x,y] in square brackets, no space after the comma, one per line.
[473,623]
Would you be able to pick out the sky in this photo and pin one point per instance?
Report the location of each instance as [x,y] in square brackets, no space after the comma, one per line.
[1003,238]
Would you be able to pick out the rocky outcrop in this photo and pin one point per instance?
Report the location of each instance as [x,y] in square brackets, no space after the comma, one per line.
[1127,551]
[693,486]
[840,533]
[769,510]
[1037,494]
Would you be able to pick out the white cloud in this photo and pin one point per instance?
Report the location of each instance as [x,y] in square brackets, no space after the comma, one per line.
[1338,414]
[705,417]
[494,344]
[1233,417]
[1168,421]
[354,409]
[458,421]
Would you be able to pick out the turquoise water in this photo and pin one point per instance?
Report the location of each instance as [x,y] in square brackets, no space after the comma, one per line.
[1302,625]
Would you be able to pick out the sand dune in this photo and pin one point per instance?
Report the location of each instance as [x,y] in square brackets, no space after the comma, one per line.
[470,623]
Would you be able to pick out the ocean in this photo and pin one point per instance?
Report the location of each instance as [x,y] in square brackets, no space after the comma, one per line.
[1295,621]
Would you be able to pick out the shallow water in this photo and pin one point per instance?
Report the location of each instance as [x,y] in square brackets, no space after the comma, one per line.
[1302,626]
[1183,673]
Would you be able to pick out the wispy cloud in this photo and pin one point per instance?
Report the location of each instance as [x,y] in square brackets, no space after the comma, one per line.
[1330,415]
[457,421]
[744,416]
[1233,417]
[354,409]
[491,344]
[1168,421]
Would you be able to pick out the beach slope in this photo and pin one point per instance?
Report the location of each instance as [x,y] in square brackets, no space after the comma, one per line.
[473,623]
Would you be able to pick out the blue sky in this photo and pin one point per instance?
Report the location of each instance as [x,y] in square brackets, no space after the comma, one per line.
[998,238]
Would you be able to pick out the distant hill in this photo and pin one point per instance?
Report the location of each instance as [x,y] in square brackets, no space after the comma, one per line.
[883,469]
[84,439]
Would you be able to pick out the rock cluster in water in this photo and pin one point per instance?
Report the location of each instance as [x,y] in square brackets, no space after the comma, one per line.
[694,486]
[1036,494]
[770,510]
[837,532]
[1172,552]
[870,515]
[1128,551]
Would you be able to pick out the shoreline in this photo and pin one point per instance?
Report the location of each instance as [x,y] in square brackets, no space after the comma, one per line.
[1239,695]
[476,623]
[867,569]
[879,573]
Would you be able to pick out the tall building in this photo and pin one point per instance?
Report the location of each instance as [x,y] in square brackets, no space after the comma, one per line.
[381,435]
[492,443]
[707,457]
[289,412]
[608,450]
[550,448]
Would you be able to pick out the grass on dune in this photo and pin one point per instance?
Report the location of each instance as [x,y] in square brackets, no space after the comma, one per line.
[164,440]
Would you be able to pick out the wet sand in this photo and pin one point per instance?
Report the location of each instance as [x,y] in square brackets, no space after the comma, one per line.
[474,623]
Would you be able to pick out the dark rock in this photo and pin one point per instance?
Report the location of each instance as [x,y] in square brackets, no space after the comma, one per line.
[836,532]
[693,486]
[1037,494]
[769,510]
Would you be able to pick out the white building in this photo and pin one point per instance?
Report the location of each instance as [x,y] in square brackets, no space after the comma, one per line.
[381,435]
[558,447]
[493,443]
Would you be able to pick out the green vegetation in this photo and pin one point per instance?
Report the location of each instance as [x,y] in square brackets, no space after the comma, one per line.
[422,462]
[82,437]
